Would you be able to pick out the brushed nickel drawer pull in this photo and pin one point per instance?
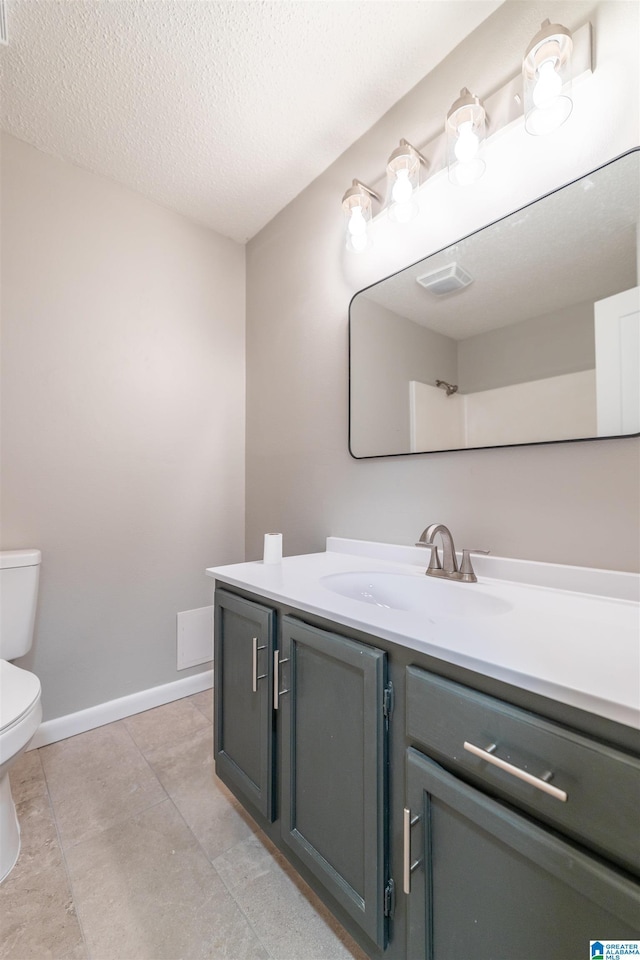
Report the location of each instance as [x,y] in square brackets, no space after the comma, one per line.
[408,867]
[539,782]
[277,692]
[254,670]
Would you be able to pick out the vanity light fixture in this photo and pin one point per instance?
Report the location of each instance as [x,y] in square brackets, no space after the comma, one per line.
[465,129]
[403,175]
[539,89]
[356,204]
[546,77]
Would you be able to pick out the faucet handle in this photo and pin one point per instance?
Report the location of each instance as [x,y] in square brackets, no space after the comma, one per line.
[434,562]
[467,572]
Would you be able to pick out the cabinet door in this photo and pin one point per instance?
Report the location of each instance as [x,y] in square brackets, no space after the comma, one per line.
[333,767]
[244,729]
[491,884]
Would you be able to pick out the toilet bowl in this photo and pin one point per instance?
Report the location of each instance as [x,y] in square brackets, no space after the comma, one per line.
[20,716]
[20,708]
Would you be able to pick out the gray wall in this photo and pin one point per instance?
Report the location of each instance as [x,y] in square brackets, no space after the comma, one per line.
[559,343]
[123,378]
[122,421]
[540,502]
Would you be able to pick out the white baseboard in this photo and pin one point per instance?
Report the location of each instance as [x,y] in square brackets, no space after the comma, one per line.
[68,726]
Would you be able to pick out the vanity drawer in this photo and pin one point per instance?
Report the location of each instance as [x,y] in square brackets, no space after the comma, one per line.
[602,785]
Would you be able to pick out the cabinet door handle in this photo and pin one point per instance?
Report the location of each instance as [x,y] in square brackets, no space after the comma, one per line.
[277,692]
[407,866]
[254,670]
[541,783]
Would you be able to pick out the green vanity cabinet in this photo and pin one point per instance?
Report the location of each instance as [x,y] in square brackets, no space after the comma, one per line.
[490,883]
[439,813]
[244,740]
[514,827]
[301,739]
[333,766]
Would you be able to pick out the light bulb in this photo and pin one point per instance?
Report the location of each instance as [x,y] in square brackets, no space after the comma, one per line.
[357,223]
[548,84]
[357,242]
[467,142]
[402,187]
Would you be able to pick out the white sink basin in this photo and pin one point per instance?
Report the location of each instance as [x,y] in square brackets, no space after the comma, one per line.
[431,596]
[567,633]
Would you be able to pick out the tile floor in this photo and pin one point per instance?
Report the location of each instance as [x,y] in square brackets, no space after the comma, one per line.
[132,849]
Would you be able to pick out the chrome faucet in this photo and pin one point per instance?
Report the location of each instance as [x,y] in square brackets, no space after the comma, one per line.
[448,569]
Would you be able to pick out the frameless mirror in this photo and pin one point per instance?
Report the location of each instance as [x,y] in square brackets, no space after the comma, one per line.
[527,331]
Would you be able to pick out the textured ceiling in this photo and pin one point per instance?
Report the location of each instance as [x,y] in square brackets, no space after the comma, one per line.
[223,111]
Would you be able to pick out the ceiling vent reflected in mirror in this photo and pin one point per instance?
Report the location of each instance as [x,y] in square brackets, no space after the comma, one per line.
[449,279]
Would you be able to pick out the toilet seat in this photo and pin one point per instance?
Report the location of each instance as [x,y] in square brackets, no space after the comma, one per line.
[19,690]
[20,710]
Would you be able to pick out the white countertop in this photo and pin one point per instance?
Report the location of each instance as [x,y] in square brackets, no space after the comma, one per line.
[568,633]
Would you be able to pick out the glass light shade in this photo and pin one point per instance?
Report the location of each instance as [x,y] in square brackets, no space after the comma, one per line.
[465,129]
[546,79]
[403,179]
[356,206]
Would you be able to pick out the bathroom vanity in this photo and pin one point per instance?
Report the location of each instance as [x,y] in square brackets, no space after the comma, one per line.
[453,767]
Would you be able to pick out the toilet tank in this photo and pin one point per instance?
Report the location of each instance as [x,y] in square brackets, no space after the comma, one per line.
[19,572]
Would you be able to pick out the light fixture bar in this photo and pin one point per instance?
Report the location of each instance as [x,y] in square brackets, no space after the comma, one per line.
[405,149]
[504,106]
[357,187]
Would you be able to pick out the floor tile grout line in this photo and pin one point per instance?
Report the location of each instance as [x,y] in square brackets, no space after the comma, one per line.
[166,797]
[213,867]
[200,708]
[239,906]
[192,834]
[63,854]
[154,803]
[222,880]
[123,721]
[277,857]
[144,757]
[210,860]
[225,885]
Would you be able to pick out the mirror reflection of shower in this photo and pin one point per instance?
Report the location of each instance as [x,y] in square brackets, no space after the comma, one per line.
[543,345]
[451,388]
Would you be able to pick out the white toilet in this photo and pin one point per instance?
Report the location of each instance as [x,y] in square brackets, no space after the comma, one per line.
[20,710]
